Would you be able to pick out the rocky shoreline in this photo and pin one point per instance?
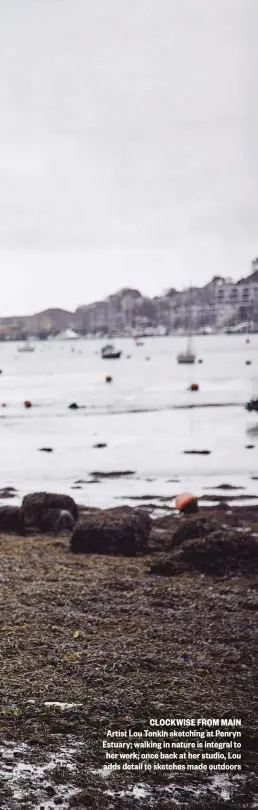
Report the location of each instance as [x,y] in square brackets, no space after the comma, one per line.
[92,641]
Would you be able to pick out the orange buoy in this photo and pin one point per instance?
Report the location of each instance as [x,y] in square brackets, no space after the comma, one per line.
[187,503]
[193,387]
[27,403]
[109,379]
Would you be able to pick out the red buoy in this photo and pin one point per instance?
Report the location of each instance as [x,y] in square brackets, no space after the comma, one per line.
[27,403]
[194,387]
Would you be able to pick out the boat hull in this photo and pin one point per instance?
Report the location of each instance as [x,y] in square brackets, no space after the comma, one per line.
[186,360]
[26,351]
[114,356]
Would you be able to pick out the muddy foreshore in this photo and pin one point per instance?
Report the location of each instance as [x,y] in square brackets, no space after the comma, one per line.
[112,644]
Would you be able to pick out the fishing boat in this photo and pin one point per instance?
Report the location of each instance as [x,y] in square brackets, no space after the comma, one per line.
[109,352]
[188,357]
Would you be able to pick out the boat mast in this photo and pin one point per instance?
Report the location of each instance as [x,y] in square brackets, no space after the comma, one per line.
[189,325]
[110,319]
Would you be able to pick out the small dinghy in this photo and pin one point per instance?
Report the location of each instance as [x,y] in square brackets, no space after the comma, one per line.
[109,352]
[26,348]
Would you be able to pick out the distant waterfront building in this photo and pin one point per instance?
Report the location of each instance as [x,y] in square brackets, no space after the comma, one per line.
[236,294]
[236,301]
[220,304]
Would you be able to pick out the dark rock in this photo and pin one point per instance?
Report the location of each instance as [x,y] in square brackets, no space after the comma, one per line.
[222,505]
[189,528]
[99,445]
[215,551]
[36,504]
[47,520]
[65,522]
[225,486]
[249,446]
[46,449]
[7,492]
[122,531]
[12,520]
[116,474]
[197,452]
[56,520]
[50,790]
[73,406]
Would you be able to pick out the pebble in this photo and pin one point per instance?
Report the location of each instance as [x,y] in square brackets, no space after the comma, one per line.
[8,758]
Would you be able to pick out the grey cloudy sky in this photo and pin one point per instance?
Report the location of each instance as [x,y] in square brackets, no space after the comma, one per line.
[128,146]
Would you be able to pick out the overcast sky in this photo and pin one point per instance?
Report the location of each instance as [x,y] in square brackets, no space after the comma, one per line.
[128,146]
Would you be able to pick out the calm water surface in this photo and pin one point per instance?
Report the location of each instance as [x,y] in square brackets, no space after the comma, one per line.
[144,416]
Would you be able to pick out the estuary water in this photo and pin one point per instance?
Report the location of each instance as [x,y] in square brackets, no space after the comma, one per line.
[146,416]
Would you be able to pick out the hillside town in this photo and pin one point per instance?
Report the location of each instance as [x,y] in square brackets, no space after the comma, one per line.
[222,305]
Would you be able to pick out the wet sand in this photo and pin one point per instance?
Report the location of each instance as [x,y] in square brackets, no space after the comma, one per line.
[117,645]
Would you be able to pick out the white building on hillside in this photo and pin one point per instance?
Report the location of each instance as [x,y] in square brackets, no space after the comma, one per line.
[231,300]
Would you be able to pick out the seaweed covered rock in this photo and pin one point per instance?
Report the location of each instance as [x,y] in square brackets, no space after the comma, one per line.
[168,533]
[36,505]
[56,521]
[122,531]
[222,552]
[190,528]
[12,520]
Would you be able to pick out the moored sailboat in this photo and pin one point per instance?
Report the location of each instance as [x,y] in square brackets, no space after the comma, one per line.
[188,357]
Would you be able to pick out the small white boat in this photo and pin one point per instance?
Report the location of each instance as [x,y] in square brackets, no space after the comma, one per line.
[26,348]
